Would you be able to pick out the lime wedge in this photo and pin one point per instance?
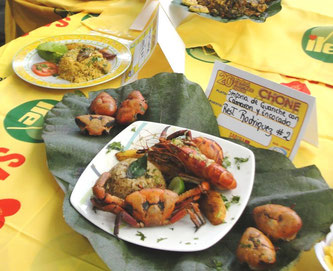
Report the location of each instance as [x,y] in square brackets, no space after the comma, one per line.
[177,185]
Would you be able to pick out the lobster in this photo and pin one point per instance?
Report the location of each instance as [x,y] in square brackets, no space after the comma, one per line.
[199,156]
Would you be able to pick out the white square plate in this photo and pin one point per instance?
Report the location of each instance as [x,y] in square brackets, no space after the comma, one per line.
[180,236]
[319,249]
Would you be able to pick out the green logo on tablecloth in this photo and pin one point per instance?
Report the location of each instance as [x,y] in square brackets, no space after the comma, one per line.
[25,121]
[89,16]
[205,54]
[317,42]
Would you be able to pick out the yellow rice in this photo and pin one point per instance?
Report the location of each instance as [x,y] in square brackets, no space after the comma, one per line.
[76,69]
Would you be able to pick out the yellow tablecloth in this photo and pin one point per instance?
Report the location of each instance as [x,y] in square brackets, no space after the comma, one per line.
[36,237]
[24,16]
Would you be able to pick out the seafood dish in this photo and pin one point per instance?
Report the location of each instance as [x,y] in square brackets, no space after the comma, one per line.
[190,192]
[105,113]
[277,221]
[117,183]
[229,9]
[274,222]
[197,159]
[256,249]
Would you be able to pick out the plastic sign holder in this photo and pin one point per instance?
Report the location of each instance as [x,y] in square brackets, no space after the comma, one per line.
[260,112]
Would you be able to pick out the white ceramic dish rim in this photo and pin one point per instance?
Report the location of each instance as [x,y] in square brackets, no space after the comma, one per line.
[319,248]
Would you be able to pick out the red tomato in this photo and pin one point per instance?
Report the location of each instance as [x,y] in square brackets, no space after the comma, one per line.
[45,68]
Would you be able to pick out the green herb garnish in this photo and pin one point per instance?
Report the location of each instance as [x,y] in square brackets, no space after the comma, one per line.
[94,59]
[235,199]
[115,146]
[142,236]
[227,203]
[137,168]
[226,162]
[160,239]
[239,160]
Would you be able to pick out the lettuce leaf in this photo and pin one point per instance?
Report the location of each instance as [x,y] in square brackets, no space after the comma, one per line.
[51,51]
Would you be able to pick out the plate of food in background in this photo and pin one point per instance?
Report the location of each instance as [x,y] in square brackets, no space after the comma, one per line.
[72,61]
[231,10]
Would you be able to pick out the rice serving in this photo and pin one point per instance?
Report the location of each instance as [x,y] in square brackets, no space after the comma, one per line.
[121,186]
[82,63]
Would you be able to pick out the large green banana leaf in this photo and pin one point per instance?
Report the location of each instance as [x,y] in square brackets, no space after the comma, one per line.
[174,100]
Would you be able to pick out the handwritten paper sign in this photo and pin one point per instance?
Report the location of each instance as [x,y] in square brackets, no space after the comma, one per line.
[258,111]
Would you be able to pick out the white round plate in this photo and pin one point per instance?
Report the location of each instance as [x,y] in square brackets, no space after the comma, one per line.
[180,236]
[28,56]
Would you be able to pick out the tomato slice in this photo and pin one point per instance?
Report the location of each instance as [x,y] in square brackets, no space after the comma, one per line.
[45,68]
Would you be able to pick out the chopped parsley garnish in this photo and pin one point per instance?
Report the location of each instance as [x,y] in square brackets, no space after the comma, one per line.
[133,129]
[239,160]
[142,236]
[160,239]
[226,162]
[115,146]
[235,199]
[95,59]
[227,203]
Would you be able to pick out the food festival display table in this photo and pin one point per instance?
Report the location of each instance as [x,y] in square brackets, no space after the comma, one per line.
[33,234]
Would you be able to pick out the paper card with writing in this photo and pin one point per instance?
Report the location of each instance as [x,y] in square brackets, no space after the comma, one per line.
[143,46]
[257,111]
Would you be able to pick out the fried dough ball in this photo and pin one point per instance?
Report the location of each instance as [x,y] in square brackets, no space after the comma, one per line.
[103,104]
[256,250]
[277,221]
[129,109]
